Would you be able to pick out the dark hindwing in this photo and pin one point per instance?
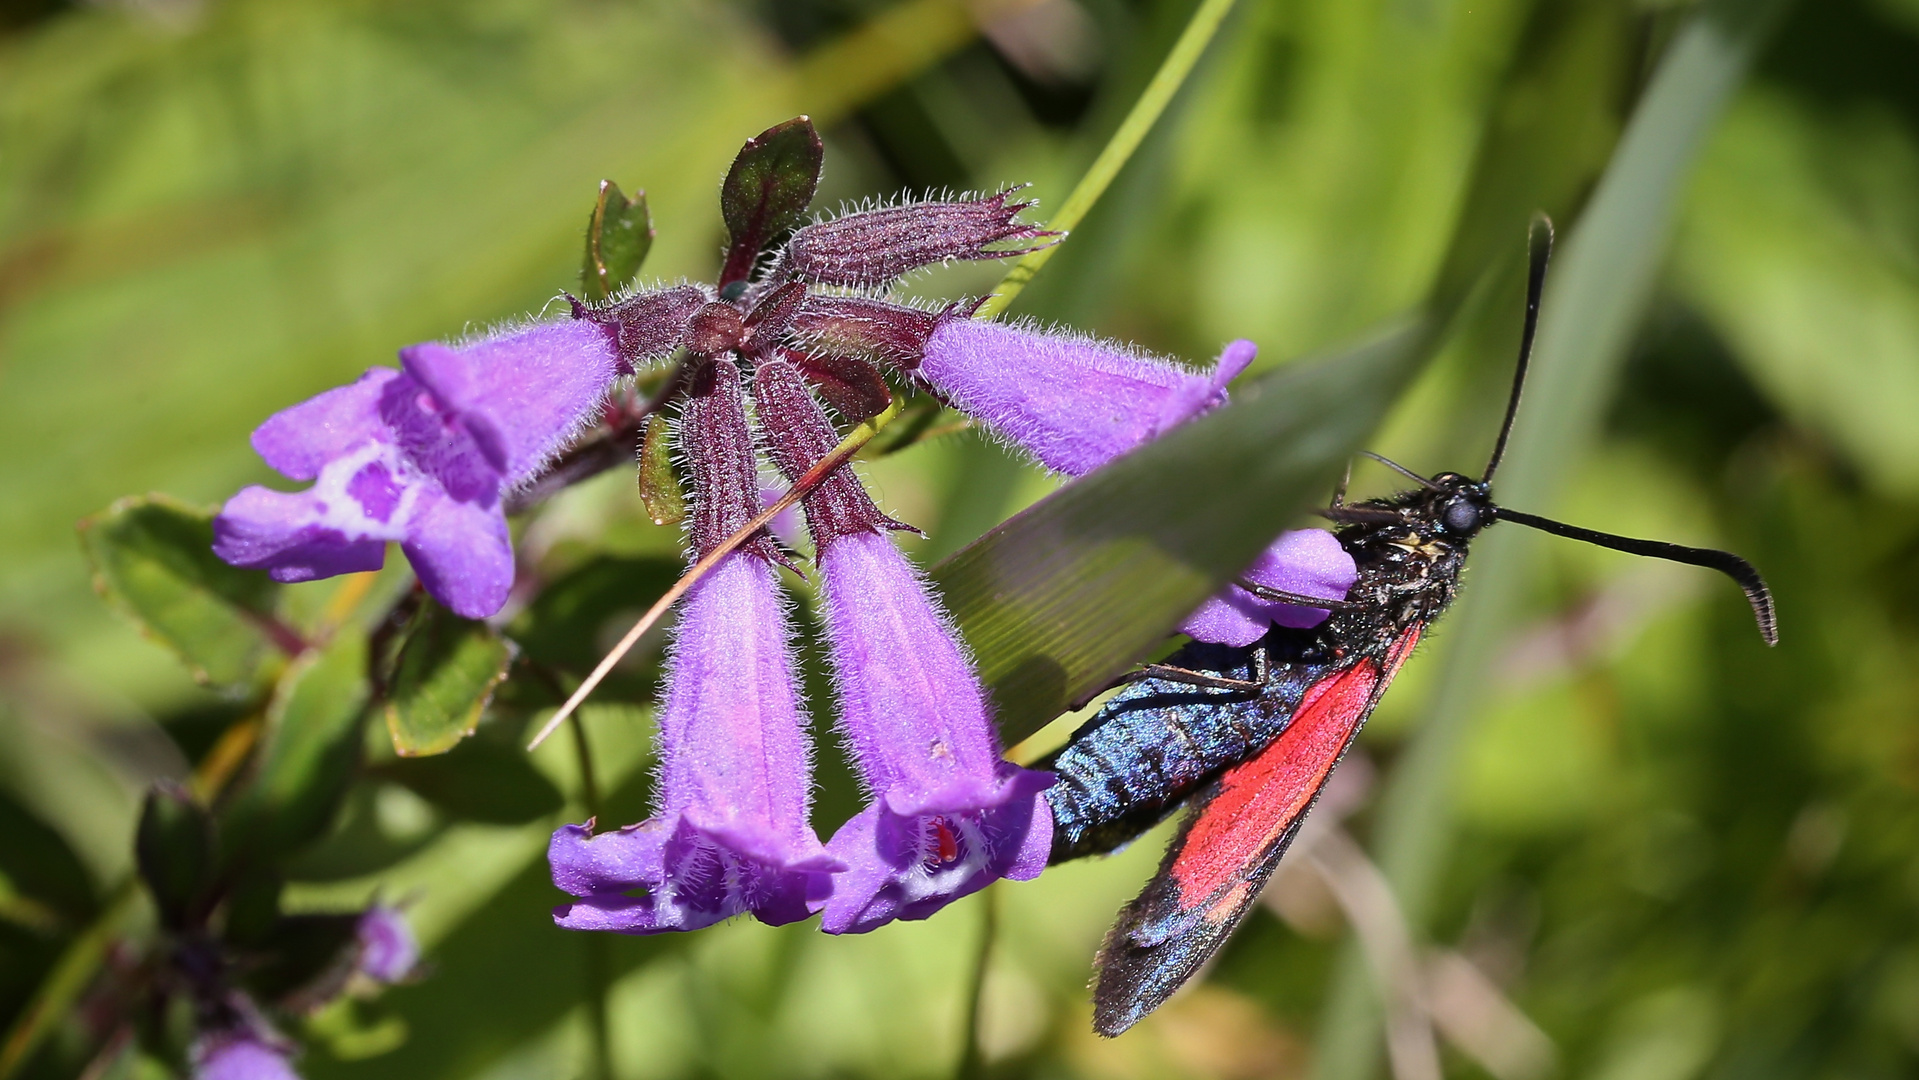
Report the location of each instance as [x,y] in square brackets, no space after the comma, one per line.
[1240,825]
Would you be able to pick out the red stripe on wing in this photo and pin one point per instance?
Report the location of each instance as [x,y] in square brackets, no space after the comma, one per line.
[1260,798]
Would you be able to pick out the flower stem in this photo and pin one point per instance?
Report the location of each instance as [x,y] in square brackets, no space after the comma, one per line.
[972,1063]
[1132,131]
[596,959]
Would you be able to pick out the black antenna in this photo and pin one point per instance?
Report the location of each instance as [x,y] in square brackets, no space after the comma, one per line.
[1403,471]
[1725,562]
[1540,241]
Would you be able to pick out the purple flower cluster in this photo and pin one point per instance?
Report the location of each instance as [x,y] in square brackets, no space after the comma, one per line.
[799,324]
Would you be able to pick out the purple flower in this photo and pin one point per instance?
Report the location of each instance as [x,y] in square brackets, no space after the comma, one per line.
[948,816]
[421,455]
[731,832]
[1310,562]
[239,1055]
[1073,402]
[389,953]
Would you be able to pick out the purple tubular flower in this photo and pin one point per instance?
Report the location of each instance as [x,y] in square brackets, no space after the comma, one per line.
[871,248]
[240,1056]
[389,953]
[422,456]
[948,815]
[1074,403]
[1310,562]
[731,832]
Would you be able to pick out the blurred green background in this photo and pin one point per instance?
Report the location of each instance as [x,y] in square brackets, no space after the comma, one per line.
[1668,852]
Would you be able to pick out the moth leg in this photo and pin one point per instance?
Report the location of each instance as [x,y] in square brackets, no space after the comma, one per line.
[1281,596]
[1262,675]
[1199,678]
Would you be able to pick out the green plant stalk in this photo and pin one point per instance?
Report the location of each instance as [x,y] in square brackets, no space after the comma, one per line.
[1593,306]
[596,958]
[1172,74]
[972,1062]
[66,982]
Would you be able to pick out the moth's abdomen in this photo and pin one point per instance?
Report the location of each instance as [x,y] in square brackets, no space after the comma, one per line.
[1156,740]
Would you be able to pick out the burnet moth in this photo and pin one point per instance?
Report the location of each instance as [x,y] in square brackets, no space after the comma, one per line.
[1246,737]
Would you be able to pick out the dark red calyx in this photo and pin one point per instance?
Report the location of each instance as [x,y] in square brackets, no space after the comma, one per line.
[715,330]
[851,385]
[646,325]
[770,319]
[891,334]
[798,434]
[717,445]
[872,248]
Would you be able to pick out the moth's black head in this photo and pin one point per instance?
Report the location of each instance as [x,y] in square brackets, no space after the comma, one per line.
[1461,505]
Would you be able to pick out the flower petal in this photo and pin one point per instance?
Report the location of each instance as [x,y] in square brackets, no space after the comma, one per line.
[338,526]
[434,443]
[1074,403]
[299,441]
[462,552]
[523,394]
[389,952]
[282,534]
[904,866]
[1310,562]
[237,1056]
[667,874]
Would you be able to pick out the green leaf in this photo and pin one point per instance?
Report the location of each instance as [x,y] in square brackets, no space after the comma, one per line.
[482,781]
[1061,598]
[767,191]
[618,236]
[659,486]
[39,865]
[153,559]
[1782,251]
[252,906]
[366,838]
[173,847]
[307,754]
[443,679]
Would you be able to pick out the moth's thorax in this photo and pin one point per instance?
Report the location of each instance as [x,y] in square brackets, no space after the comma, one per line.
[1410,548]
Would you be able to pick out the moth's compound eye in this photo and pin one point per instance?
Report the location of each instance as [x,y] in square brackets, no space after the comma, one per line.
[733,291]
[1460,517]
